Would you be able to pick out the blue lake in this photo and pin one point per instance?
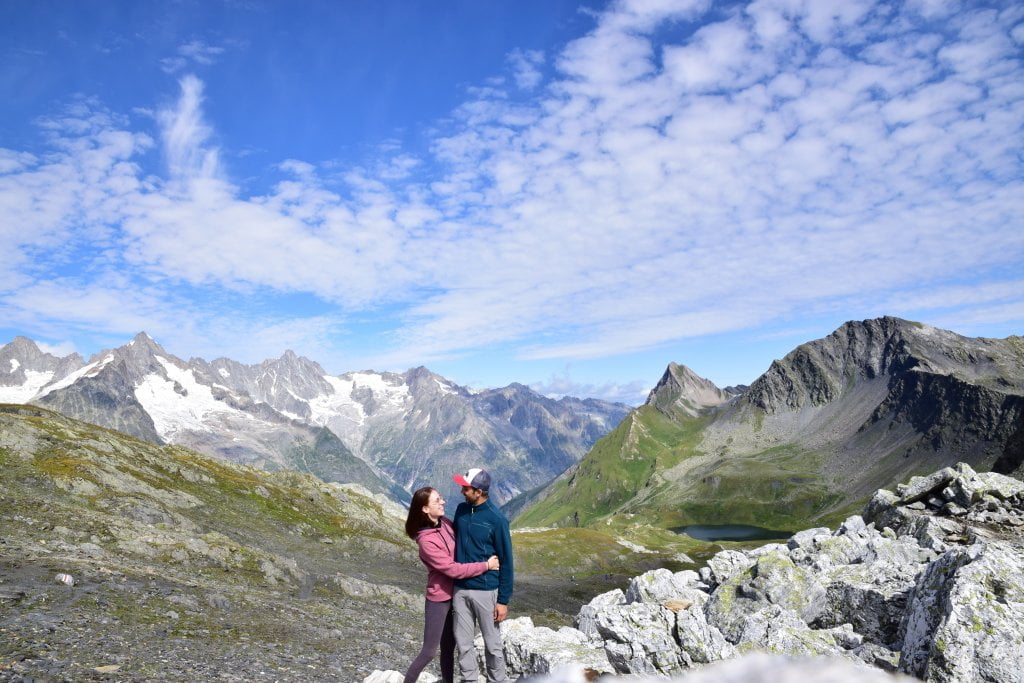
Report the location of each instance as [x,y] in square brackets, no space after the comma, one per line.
[731,532]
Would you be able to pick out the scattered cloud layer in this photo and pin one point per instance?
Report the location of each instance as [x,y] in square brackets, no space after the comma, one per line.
[687,170]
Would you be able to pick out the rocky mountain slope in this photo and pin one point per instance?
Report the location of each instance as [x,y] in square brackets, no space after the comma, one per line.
[873,403]
[188,568]
[389,432]
[927,581]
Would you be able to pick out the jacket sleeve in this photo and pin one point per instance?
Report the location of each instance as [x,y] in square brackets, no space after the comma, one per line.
[436,556]
[506,573]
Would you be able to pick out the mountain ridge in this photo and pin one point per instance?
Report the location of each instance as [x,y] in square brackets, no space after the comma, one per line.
[874,402]
[391,432]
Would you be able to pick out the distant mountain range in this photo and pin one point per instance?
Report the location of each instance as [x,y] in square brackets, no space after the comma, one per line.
[389,432]
[870,405]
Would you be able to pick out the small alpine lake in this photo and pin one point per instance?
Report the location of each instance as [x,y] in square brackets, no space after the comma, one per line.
[730,532]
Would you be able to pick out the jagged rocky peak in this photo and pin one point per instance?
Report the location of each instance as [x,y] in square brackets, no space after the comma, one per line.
[139,356]
[23,354]
[420,380]
[820,371]
[299,374]
[682,388]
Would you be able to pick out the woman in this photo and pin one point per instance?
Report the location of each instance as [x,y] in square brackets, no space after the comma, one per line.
[433,532]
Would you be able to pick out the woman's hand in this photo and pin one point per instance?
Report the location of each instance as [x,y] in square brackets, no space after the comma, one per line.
[492,562]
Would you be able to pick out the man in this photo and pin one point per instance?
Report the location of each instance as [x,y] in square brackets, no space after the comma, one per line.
[481,531]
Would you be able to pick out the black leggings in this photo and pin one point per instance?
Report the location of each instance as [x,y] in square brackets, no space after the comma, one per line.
[437,631]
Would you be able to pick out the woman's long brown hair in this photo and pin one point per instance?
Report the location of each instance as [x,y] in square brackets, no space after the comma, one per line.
[417,518]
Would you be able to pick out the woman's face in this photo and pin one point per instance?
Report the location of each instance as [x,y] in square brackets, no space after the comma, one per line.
[435,506]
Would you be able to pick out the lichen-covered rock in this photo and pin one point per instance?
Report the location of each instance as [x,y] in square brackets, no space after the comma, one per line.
[659,585]
[870,597]
[538,649]
[906,585]
[805,538]
[884,512]
[919,488]
[726,564]
[973,603]
[780,631]
[638,639]
[699,641]
[586,619]
[773,580]
[926,608]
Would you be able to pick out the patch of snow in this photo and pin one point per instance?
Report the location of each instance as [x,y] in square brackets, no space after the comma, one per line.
[26,392]
[445,388]
[172,412]
[223,372]
[15,364]
[290,415]
[385,393]
[339,403]
[89,370]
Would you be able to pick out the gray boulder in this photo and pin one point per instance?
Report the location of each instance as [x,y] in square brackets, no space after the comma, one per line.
[638,639]
[538,649]
[659,585]
[586,619]
[772,580]
[965,619]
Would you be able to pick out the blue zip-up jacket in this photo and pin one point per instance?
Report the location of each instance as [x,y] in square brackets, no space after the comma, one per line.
[480,532]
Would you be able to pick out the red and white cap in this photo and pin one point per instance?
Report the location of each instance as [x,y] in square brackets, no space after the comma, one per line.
[475,478]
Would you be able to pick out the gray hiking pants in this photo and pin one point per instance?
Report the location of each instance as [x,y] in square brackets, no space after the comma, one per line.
[473,607]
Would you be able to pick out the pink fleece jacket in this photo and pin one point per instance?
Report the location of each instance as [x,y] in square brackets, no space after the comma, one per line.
[437,551]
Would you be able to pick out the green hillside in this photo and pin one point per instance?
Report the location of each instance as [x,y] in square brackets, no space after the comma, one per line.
[620,467]
[649,470]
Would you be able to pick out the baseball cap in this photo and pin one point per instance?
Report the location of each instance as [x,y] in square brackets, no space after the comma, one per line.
[476,478]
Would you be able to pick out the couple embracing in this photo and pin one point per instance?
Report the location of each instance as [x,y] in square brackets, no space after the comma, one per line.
[469,578]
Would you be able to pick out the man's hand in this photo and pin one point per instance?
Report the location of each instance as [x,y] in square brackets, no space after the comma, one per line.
[500,612]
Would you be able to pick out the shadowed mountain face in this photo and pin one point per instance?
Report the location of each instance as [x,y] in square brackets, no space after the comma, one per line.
[389,432]
[873,403]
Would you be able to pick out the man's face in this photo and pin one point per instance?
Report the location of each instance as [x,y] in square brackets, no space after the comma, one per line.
[473,496]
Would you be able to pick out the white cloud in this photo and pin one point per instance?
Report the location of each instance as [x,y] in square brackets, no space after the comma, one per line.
[525,66]
[192,52]
[59,349]
[185,134]
[560,385]
[788,156]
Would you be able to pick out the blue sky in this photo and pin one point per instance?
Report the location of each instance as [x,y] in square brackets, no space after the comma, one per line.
[568,195]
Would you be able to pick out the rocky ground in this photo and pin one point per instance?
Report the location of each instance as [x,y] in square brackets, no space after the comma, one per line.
[185,568]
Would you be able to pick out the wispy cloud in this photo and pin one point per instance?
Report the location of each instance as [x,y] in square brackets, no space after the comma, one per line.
[525,65]
[185,135]
[666,183]
[195,52]
[559,385]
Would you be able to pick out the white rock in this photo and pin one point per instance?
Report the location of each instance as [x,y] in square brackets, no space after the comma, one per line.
[538,649]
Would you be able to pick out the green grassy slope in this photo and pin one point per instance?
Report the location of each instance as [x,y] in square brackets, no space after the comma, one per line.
[650,471]
[618,468]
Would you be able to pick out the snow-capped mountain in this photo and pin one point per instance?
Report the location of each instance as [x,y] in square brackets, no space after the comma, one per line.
[391,432]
